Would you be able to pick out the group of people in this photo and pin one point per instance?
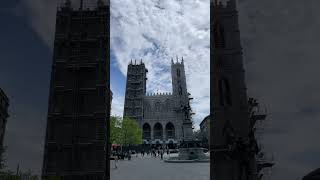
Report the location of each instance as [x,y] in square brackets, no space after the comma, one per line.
[155,152]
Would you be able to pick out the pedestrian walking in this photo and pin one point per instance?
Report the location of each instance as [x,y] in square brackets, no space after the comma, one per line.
[115,162]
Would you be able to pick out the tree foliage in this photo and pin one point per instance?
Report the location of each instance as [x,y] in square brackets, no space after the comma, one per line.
[125,131]
[115,130]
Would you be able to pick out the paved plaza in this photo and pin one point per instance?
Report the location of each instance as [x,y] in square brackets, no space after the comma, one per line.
[147,168]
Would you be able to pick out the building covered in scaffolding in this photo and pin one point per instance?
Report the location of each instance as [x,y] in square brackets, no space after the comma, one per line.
[79,104]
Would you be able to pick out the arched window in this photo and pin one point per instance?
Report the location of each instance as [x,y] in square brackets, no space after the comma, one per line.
[167,105]
[180,90]
[219,36]
[170,132]
[157,131]
[157,106]
[222,37]
[146,128]
[178,72]
[225,93]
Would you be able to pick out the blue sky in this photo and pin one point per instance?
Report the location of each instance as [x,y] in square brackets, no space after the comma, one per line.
[280,43]
[156,31]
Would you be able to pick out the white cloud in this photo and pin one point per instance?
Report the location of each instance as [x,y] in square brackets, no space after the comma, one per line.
[158,30]
[117,104]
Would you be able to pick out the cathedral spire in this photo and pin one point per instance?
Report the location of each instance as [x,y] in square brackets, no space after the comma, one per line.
[171,60]
[131,61]
[182,60]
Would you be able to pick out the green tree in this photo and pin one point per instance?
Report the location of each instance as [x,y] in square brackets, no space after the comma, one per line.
[115,130]
[125,131]
[131,133]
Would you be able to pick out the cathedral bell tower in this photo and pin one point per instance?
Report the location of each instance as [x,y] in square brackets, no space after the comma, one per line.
[179,86]
[135,90]
[179,89]
[231,122]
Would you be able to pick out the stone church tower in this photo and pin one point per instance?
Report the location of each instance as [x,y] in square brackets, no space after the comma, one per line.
[179,89]
[229,139]
[165,118]
[79,104]
[135,90]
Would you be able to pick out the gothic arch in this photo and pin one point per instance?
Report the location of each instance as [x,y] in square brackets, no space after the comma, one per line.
[225,93]
[146,128]
[167,105]
[147,106]
[170,130]
[178,72]
[219,35]
[157,131]
[157,106]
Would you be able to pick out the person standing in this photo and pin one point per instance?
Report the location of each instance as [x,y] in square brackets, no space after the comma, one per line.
[161,153]
[129,155]
[115,162]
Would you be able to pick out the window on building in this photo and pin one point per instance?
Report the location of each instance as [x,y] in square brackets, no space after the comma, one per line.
[157,131]
[146,131]
[180,90]
[225,93]
[170,132]
[219,36]
[58,104]
[157,106]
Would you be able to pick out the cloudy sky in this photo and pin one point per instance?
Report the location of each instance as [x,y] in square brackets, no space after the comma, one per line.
[280,41]
[156,31]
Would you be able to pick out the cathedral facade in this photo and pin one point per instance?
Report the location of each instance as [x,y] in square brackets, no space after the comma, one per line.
[162,116]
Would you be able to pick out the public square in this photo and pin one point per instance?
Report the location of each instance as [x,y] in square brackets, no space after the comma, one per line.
[147,167]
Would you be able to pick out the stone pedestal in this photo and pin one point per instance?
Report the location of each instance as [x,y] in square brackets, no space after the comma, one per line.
[187,130]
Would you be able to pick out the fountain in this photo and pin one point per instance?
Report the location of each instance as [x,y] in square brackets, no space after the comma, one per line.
[190,149]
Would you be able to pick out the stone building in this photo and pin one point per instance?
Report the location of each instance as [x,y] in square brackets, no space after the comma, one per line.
[233,126]
[79,104]
[165,118]
[4,104]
